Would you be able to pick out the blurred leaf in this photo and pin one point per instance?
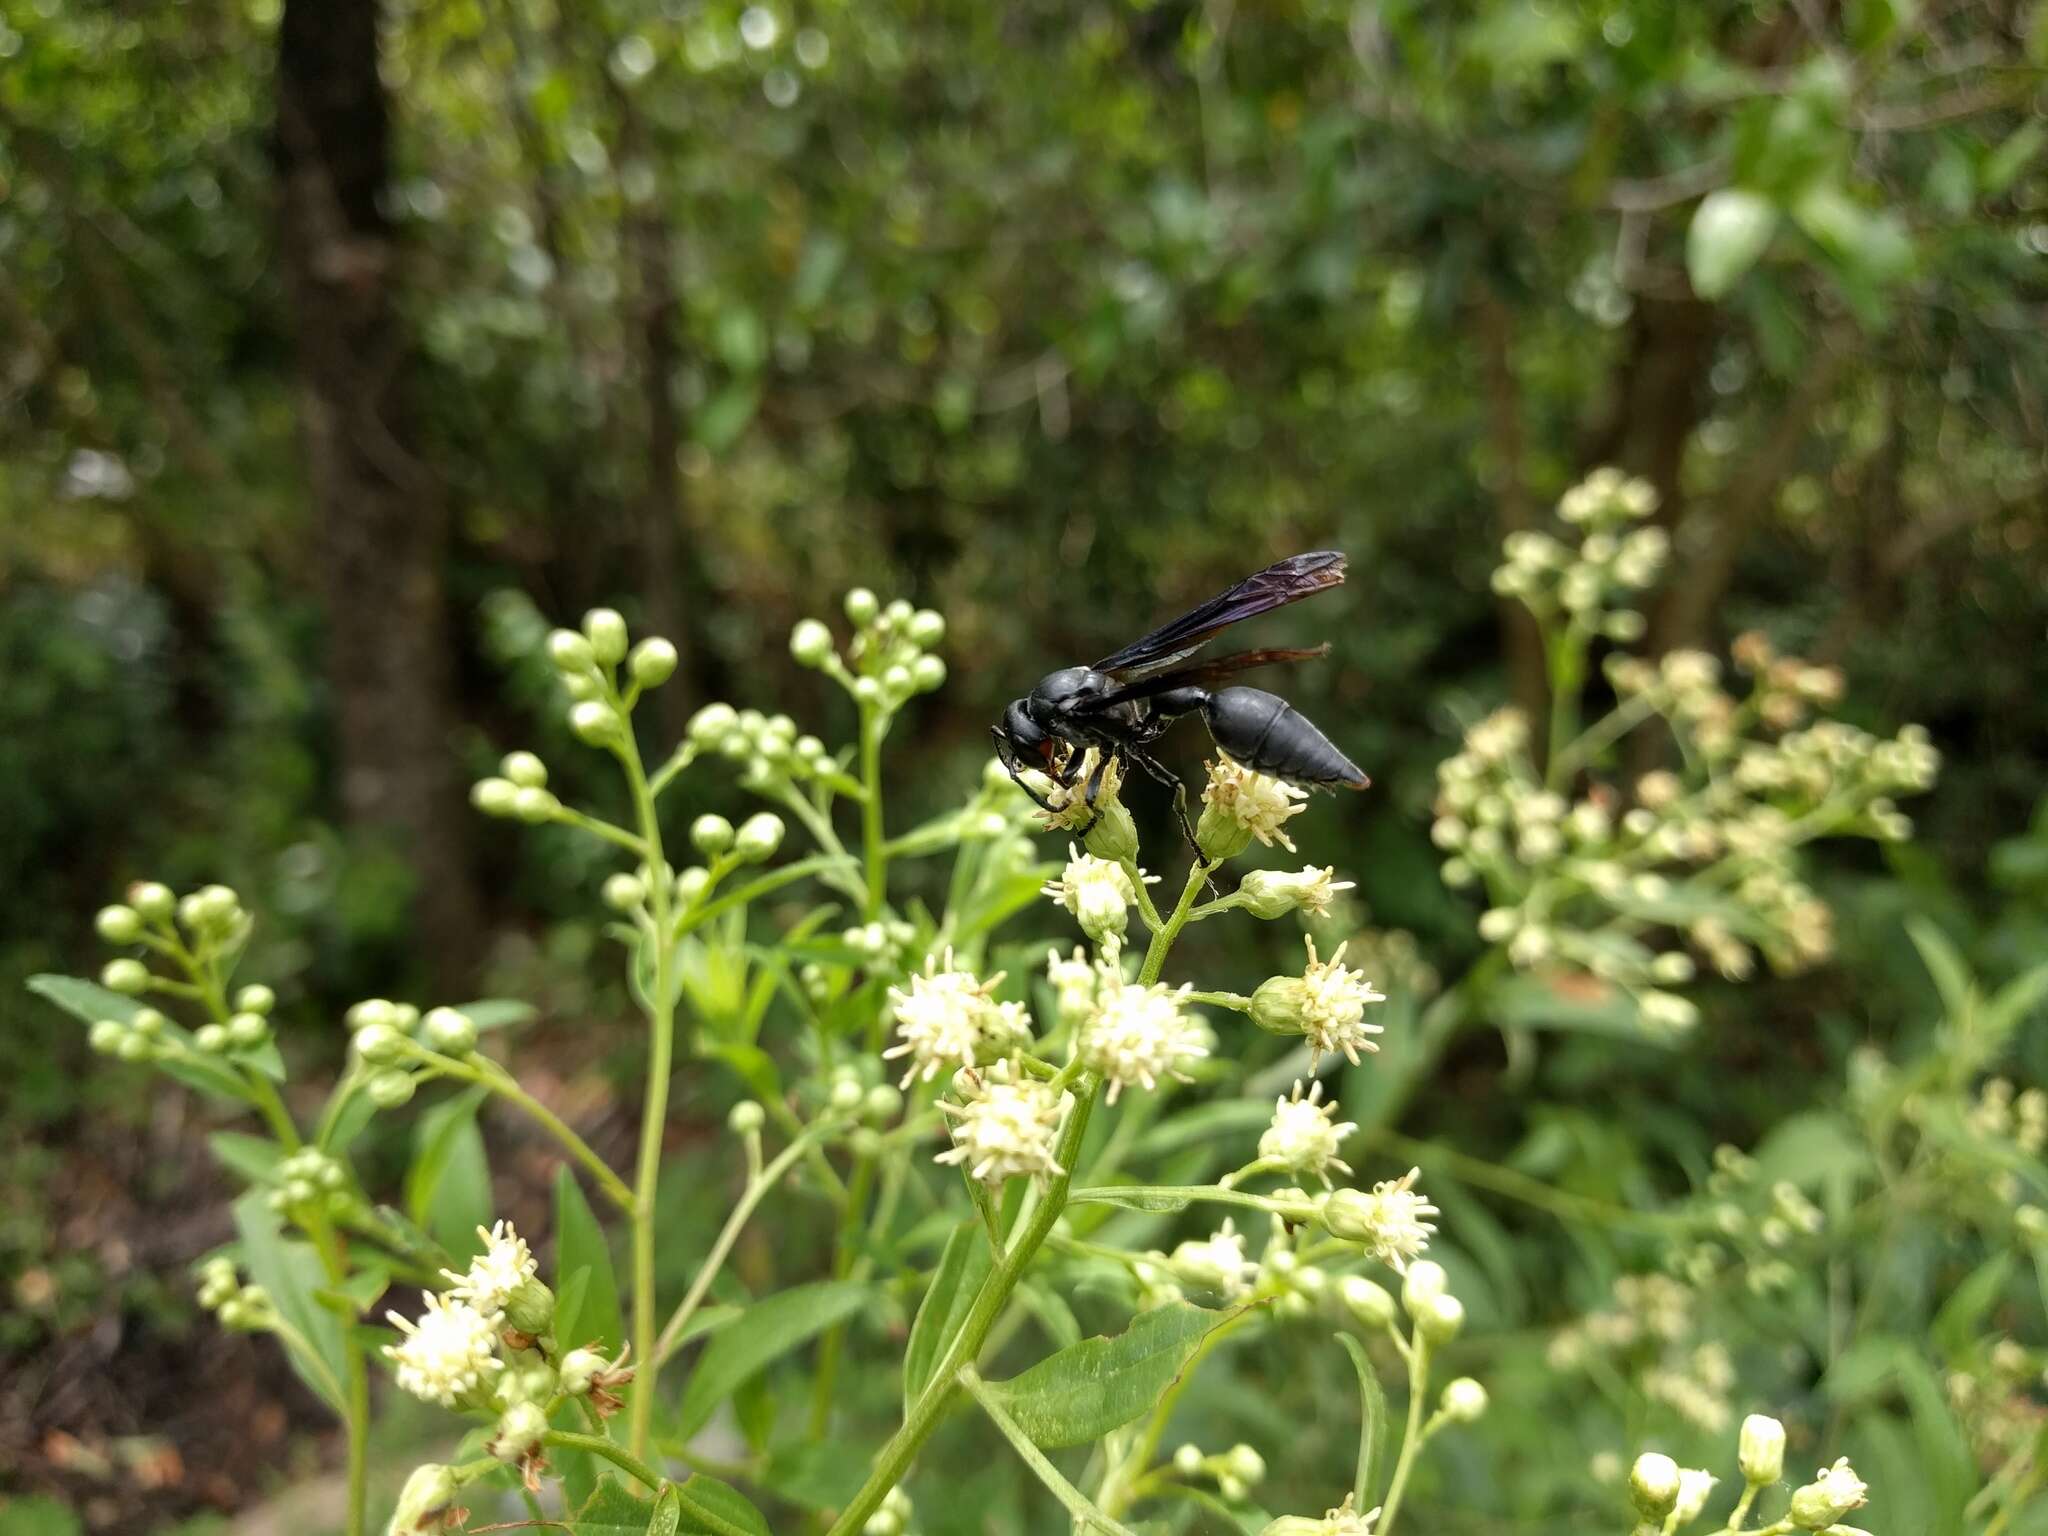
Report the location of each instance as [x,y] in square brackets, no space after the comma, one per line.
[448,1186]
[769,1329]
[1372,1423]
[963,1266]
[291,1272]
[1730,229]
[580,1247]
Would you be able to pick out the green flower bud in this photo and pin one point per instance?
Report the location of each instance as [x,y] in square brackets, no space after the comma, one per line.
[247,1030]
[1464,1400]
[847,1094]
[1114,836]
[519,1432]
[691,884]
[606,631]
[210,1038]
[379,1044]
[1423,1284]
[927,628]
[862,606]
[897,613]
[896,681]
[535,806]
[758,837]
[525,770]
[1440,1320]
[134,1047]
[653,662]
[746,1117]
[148,1023]
[1760,1450]
[883,1102]
[424,1502]
[624,893]
[494,797]
[865,1142]
[106,1036]
[152,901]
[1653,1485]
[711,724]
[810,643]
[1831,1495]
[300,1192]
[595,723]
[1220,835]
[570,652]
[2031,1222]
[927,674]
[1280,1006]
[255,998]
[371,1010]
[582,685]
[389,1090]
[118,924]
[531,1307]
[711,835]
[1367,1302]
[867,691]
[449,1031]
[404,1017]
[130,978]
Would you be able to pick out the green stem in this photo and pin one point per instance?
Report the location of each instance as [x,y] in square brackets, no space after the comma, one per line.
[895,1457]
[486,1073]
[661,1018]
[729,1234]
[1121,1487]
[874,846]
[1076,1502]
[1566,654]
[1741,1511]
[610,1450]
[1163,937]
[356,1398]
[1411,1438]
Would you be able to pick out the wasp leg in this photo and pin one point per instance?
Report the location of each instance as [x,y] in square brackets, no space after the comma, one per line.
[1092,790]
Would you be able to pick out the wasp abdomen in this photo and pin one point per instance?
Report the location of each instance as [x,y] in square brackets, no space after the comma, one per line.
[1262,730]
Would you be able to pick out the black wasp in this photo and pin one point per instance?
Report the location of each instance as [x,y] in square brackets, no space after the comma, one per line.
[1126,701]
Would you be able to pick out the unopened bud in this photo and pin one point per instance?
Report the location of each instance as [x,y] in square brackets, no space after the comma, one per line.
[210,1038]
[927,627]
[927,674]
[451,1032]
[425,1502]
[759,836]
[1221,835]
[152,900]
[1760,1450]
[810,643]
[255,998]
[520,1431]
[606,631]
[148,1023]
[535,806]
[130,978]
[106,1036]
[118,924]
[248,1029]
[1423,1284]
[883,1102]
[1831,1495]
[711,835]
[653,662]
[847,1094]
[746,1117]
[495,797]
[862,606]
[379,1044]
[1366,1301]
[1439,1320]
[1653,1485]
[1115,835]
[389,1089]
[711,724]
[1694,1486]
[1464,1400]
[570,652]
[531,1307]
[595,723]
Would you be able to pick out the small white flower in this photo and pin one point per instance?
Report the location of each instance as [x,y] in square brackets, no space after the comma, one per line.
[1325,1005]
[1097,892]
[1305,1135]
[1833,1493]
[448,1353]
[1216,1263]
[1344,1520]
[947,1020]
[1073,979]
[1392,1223]
[1694,1484]
[1270,893]
[1006,1128]
[505,1264]
[1255,801]
[1140,1034]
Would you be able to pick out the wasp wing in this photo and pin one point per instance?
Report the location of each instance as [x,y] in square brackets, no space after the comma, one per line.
[1287,581]
[1202,674]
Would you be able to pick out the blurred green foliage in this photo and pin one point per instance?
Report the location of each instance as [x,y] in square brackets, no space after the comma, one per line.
[1058,317]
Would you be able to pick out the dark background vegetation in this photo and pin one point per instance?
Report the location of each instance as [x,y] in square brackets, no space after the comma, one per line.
[338,342]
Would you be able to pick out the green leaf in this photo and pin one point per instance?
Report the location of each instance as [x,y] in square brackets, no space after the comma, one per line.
[1956,1325]
[704,1504]
[817,1474]
[1137,1197]
[88,1002]
[2004,164]
[498,1012]
[580,1245]
[962,1268]
[38,1516]
[291,1272]
[612,1511]
[1084,1392]
[768,1330]
[354,1296]
[448,1187]
[1372,1422]
[1730,229]
[255,1158]
[667,1515]
[1945,965]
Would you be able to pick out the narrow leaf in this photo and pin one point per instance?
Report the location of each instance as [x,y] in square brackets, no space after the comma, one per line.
[580,1244]
[1372,1422]
[448,1187]
[962,1268]
[290,1271]
[768,1330]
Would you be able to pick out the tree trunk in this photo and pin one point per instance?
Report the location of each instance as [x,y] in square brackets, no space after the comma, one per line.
[380,523]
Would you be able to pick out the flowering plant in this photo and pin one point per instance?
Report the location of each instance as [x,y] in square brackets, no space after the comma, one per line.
[994,1139]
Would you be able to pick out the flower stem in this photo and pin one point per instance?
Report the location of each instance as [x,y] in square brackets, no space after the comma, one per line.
[891,1462]
[1411,1438]
[1163,937]
[874,846]
[610,1450]
[486,1073]
[1076,1503]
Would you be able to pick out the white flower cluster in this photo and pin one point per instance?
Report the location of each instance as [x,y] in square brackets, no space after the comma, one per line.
[505,1264]
[1391,1222]
[1610,561]
[1344,1520]
[1138,1034]
[948,1020]
[1098,893]
[1652,1323]
[1006,1124]
[1325,1005]
[448,1354]
[1216,1263]
[1253,803]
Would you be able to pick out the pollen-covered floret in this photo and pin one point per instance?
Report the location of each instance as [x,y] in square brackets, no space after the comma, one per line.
[1325,1005]
[948,1020]
[448,1353]
[1097,892]
[1006,1125]
[1305,1135]
[505,1264]
[1257,802]
[1140,1034]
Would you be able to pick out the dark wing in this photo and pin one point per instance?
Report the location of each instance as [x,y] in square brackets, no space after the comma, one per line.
[1288,581]
[1203,674]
